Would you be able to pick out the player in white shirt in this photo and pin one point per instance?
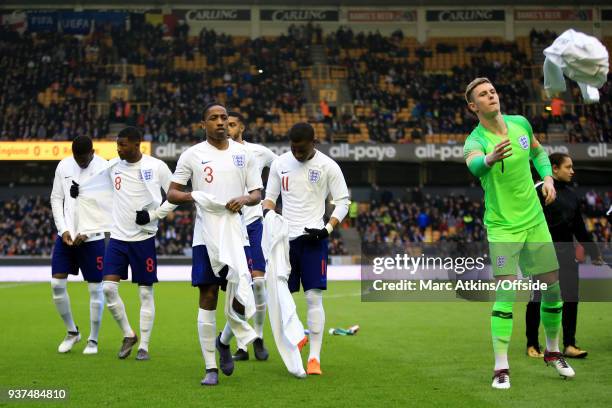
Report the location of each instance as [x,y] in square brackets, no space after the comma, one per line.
[252,217]
[137,180]
[304,178]
[72,253]
[222,168]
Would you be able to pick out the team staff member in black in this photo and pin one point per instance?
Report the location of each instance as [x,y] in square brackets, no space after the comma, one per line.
[564,222]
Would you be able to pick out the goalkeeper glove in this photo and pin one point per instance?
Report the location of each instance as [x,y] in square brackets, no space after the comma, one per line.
[318,234]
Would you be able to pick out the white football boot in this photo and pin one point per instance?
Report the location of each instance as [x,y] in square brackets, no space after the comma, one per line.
[70,340]
[91,348]
[501,379]
[557,360]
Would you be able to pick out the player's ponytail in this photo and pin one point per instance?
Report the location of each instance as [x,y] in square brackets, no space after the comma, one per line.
[557,159]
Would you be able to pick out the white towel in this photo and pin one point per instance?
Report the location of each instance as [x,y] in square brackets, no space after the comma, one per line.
[224,240]
[580,57]
[94,205]
[287,328]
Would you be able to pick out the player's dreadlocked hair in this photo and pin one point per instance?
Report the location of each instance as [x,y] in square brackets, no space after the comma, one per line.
[82,145]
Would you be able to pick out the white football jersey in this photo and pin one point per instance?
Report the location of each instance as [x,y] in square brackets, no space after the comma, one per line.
[225,174]
[304,187]
[62,204]
[263,157]
[130,194]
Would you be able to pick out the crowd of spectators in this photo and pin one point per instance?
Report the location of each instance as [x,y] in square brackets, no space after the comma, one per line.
[438,104]
[400,220]
[175,233]
[261,78]
[425,218]
[27,227]
[32,65]
[255,92]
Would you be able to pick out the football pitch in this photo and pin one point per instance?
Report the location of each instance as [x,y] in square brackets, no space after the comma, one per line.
[406,354]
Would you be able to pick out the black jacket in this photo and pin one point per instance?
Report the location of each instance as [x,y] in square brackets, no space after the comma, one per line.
[565,220]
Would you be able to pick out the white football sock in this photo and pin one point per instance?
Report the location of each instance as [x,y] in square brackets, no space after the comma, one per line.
[227,334]
[116,307]
[62,302]
[259,290]
[96,307]
[147,315]
[552,344]
[501,361]
[207,327]
[316,321]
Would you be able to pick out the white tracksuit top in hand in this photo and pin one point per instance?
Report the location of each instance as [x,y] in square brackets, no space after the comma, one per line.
[263,157]
[304,188]
[136,186]
[224,174]
[62,204]
[580,57]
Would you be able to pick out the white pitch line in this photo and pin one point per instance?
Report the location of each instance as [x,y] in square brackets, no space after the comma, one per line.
[341,295]
[16,285]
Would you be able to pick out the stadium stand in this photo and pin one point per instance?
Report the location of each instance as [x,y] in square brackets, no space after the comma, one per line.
[59,86]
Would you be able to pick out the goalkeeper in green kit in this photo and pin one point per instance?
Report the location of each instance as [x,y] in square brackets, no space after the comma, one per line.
[498,151]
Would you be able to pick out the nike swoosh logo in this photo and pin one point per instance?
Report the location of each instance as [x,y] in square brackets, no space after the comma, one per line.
[117,172]
[67,176]
[208,161]
[286,171]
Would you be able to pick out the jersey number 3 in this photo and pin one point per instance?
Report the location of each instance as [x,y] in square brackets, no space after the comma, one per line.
[208,171]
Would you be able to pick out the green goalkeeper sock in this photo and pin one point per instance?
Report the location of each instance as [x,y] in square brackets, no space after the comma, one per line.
[501,326]
[551,312]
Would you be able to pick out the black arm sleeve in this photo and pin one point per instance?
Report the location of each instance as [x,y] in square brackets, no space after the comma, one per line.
[540,196]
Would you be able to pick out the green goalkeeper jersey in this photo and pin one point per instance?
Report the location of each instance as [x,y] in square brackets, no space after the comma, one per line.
[511,201]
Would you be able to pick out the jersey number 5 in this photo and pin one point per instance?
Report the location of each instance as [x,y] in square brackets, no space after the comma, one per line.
[209,174]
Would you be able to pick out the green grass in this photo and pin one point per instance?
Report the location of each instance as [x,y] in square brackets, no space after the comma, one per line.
[406,354]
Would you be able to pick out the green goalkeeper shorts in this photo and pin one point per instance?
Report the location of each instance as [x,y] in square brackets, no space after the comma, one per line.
[532,250]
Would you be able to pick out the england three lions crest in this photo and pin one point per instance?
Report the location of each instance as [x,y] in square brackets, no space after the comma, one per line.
[146,175]
[239,160]
[524,142]
[314,175]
